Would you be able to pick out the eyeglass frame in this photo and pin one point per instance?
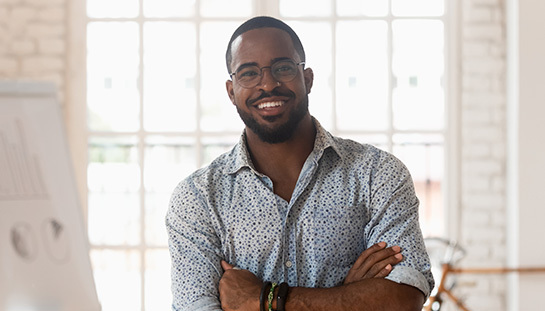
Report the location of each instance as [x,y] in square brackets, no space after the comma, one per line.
[261,71]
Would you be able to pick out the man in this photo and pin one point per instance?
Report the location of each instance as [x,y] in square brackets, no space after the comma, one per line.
[335,220]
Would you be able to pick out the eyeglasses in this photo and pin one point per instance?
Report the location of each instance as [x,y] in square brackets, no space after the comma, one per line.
[282,71]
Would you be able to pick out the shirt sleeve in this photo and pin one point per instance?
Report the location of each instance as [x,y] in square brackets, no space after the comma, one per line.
[195,251]
[394,220]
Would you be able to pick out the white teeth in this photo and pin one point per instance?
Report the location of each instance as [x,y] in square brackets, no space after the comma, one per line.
[270,105]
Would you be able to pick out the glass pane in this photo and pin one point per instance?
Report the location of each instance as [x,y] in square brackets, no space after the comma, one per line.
[167,162]
[222,8]
[113,181]
[362,7]
[213,147]
[114,218]
[117,276]
[112,8]
[317,41]
[418,61]
[157,287]
[113,165]
[301,8]
[418,7]
[362,75]
[156,208]
[112,74]
[424,156]
[170,68]
[169,8]
[218,113]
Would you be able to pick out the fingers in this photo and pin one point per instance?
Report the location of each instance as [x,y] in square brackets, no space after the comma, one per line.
[384,272]
[374,254]
[375,262]
[382,268]
[226,266]
[368,252]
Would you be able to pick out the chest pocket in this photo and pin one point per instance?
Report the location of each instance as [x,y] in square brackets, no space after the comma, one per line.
[338,235]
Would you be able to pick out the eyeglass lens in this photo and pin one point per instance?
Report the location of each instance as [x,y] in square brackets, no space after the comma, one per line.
[282,71]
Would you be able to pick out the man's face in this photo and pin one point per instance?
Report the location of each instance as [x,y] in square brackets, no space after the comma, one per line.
[271,109]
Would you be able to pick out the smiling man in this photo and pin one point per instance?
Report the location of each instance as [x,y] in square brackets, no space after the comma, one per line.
[293,218]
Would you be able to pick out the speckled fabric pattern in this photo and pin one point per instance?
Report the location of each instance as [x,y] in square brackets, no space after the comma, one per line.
[348,197]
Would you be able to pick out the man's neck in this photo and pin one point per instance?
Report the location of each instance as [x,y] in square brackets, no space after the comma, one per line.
[283,162]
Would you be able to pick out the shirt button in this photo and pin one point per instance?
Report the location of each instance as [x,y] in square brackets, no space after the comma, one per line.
[288,264]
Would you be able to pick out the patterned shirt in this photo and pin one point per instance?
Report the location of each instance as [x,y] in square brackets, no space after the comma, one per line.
[348,197]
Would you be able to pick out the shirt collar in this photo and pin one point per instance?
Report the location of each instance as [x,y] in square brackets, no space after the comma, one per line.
[241,157]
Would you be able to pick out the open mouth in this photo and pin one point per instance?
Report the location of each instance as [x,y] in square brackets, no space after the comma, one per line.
[269,105]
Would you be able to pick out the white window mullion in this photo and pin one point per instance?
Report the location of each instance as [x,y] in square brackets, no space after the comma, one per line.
[333,80]
[270,7]
[199,132]
[391,80]
[141,159]
[451,83]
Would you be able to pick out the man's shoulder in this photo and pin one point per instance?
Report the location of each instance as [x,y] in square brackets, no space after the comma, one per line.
[206,180]
[355,149]
[368,157]
[217,168]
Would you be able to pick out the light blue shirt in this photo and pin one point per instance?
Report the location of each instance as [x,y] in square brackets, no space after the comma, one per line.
[348,197]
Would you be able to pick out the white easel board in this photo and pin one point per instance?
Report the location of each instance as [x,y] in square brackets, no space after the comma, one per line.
[44,251]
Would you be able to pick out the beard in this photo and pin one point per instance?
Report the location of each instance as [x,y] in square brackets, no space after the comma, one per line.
[280,133]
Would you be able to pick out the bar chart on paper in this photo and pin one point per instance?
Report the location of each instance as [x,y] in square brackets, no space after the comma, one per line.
[22,177]
[44,255]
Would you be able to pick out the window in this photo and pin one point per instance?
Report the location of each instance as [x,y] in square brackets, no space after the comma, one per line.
[157,110]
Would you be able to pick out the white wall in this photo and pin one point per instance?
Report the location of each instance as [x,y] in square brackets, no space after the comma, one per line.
[526,163]
[483,151]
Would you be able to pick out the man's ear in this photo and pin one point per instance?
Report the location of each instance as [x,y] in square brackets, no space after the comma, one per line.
[230,90]
[308,74]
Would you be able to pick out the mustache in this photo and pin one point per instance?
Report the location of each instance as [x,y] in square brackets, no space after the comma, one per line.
[264,95]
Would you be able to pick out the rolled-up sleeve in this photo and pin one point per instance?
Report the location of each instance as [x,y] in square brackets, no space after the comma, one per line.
[394,219]
[195,251]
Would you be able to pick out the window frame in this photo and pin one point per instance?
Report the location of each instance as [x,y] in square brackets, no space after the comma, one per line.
[76,105]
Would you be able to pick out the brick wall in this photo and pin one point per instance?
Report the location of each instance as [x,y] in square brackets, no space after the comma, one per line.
[33,41]
[483,151]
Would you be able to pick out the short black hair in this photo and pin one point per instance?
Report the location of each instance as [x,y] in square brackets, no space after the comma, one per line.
[263,22]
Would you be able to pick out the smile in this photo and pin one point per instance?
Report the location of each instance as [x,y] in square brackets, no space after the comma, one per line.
[270,105]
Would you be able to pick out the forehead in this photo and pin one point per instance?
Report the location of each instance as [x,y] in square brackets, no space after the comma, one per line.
[261,46]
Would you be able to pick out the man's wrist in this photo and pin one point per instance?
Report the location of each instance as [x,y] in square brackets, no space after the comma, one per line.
[263,302]
[270,298]
[273,297]
[281,296]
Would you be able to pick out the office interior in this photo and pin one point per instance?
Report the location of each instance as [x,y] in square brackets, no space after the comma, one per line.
[452,87]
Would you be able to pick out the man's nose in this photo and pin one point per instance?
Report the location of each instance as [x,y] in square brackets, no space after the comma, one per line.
[268,81]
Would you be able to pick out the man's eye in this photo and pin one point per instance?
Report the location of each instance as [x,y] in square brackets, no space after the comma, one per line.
[248,74]
[285,69]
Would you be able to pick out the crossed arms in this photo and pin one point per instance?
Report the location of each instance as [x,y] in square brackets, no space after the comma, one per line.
[207,223]
[364,288]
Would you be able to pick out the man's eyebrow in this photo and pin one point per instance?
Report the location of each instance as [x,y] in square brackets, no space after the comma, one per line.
[274,60]
[245,65]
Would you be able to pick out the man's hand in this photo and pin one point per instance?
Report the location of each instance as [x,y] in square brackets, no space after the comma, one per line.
[374,262]
[239,289]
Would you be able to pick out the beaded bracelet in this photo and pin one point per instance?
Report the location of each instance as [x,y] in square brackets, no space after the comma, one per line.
[271,296]
[282,296]
[264,289]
